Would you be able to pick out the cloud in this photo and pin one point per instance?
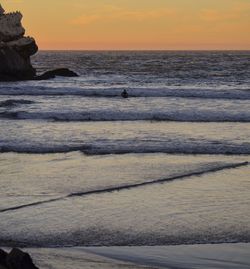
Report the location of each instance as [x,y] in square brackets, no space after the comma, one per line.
[235,12]
[212,15]
[15,1]
[113,13]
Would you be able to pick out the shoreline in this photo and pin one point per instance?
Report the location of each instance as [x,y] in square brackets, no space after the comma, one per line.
[225,255]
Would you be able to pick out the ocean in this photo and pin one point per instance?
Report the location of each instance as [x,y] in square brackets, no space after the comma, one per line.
[82,166]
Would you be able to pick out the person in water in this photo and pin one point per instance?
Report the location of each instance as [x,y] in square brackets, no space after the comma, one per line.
[124,94]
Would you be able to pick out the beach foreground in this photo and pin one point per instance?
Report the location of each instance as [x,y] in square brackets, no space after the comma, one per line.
[184,256]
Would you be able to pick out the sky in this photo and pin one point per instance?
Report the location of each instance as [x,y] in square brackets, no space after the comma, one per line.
[136,24]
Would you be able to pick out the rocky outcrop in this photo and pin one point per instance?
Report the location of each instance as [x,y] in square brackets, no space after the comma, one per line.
[13,66]
[11,27]
[16,259]
[15,48]
[61,72]
[3,256]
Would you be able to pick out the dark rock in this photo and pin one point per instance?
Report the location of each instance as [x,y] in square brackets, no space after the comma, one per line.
[61,72]
[25,49]
[15,48]
[17,259]
[3,256]
[10,26]
[13,66]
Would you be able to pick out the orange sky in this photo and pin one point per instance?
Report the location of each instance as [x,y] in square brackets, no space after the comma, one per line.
[136,24]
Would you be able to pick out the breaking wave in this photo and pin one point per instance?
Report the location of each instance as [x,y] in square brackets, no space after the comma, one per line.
[240,94]
[133,147]
[13,102]
[179,116]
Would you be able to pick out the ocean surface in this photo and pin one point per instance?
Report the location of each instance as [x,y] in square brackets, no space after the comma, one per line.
[82,166]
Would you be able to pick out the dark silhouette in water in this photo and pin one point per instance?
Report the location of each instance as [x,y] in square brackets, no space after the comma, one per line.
[124,94]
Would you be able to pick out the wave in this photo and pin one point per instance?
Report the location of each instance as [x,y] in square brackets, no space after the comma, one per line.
[240,94]
[44,149]
[179,116]
[120,147]
[13,102]
[198,172]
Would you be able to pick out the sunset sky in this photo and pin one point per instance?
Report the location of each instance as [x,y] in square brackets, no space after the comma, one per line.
[136,24]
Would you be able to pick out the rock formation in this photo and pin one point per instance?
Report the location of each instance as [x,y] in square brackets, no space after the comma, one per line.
[60,72]
[16,259]
[15,48]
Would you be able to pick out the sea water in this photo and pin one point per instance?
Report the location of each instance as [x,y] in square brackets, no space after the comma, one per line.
[82,166]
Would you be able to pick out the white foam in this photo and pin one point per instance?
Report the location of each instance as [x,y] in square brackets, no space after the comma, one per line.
[54,89]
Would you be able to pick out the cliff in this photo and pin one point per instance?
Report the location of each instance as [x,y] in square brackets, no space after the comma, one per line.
[15,48]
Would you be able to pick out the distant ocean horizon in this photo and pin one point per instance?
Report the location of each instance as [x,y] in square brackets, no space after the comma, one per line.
[149,50]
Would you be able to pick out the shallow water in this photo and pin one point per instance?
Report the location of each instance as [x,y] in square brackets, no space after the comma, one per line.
[212,207]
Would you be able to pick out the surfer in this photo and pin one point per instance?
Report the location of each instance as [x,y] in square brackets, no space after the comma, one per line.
[124,94]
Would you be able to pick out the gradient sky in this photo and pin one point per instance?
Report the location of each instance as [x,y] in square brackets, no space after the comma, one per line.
[136,24]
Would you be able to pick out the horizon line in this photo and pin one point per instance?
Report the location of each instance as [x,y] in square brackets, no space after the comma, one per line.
[160,50]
